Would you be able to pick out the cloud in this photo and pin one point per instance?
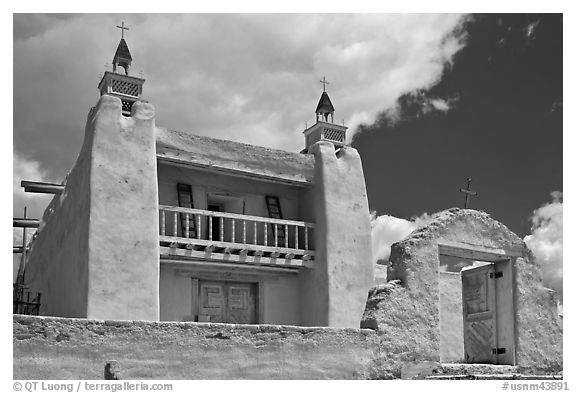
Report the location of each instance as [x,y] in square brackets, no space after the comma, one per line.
[387,230]
[530,30]
[248,77]
[416,104]
[545,241]
[30,25]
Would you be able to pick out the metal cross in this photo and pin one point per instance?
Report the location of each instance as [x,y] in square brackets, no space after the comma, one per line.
[323,81]
[468,193]
[122,28]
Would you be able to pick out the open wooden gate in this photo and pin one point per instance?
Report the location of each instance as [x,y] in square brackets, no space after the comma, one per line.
[479,308]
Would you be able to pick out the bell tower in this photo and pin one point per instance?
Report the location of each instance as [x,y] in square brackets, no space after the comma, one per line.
[325,129]
[124,86]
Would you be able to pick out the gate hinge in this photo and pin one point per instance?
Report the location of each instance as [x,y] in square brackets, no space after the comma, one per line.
[497,275]
[498,351]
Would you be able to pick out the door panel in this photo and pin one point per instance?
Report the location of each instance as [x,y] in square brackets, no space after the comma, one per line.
[241,303]
[479,309]
[212,301]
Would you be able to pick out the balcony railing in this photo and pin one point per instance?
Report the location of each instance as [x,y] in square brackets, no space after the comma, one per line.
[230,233]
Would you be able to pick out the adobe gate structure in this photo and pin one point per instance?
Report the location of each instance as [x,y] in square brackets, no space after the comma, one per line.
[506,316]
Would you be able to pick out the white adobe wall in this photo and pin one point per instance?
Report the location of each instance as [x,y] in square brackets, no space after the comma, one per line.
[334,291]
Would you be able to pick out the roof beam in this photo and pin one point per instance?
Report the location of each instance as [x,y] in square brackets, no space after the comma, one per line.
[26,222]
[41,187]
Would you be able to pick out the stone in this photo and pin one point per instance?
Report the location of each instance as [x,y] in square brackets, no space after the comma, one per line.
[111,370]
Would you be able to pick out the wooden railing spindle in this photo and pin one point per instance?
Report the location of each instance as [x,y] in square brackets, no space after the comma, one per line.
[296,236]
[221,229]
[175,224]
[209,227]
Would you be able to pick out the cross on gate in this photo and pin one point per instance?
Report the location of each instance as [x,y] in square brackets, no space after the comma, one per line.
[323,81]
[468,193]
[122,28]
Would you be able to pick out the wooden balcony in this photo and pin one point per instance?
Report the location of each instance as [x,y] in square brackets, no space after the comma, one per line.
[194,234]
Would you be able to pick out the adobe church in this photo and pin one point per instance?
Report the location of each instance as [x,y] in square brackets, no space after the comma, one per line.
[157,224]
[163,225]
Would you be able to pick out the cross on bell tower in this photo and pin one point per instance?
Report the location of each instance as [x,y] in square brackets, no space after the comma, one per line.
[123,28]
[323,81]
[124,86]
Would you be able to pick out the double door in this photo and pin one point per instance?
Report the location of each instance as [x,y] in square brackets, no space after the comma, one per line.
[227,302]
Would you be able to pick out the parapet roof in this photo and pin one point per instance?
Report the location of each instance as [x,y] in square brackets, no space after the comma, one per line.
[234,157]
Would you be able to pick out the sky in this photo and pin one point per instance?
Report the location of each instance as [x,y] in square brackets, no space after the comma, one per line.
[430,100]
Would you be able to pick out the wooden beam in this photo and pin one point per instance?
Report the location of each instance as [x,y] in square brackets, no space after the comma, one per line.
[467,251]
[236,246]
[26,222]
[210,266]
[41,187]
[217,258]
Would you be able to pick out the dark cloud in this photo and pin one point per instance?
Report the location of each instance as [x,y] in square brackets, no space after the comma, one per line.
[30,25]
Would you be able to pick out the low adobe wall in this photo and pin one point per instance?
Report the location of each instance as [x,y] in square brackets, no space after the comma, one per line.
[63,348]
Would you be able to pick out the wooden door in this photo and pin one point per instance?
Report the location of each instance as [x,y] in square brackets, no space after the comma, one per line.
[212,307]
[479,309]
[241,306]
[227,302]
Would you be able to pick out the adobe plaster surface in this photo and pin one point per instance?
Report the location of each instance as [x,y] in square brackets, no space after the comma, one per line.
[124,248]
[451,325]
[59,348]
[334,292]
